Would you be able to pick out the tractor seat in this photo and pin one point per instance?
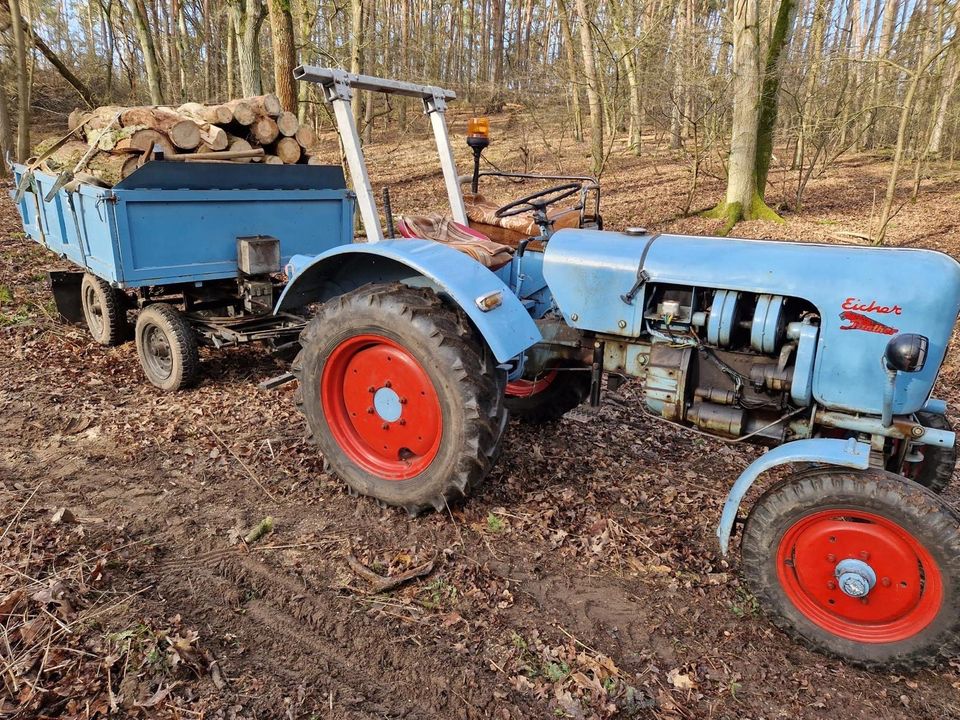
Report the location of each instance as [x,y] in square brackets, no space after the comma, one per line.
[482,214]
[443,229]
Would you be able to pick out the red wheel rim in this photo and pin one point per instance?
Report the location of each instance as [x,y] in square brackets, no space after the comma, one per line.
[381,407]
[905,599]
[525,388]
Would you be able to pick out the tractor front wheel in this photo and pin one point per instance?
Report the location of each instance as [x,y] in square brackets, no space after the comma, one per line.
[400,395]
[864,566]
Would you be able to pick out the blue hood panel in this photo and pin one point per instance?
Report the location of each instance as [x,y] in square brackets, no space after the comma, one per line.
[851,286]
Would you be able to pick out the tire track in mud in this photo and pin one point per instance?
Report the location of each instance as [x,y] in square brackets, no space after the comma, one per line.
[325,644]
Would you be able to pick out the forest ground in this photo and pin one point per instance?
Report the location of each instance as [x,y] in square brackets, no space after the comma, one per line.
[582,580]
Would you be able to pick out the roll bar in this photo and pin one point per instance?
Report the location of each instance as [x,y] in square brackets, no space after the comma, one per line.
[338,86]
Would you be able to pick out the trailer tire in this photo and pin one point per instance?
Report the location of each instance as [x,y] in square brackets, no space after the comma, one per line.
[167,347]
[104,311]
[804,526]
[401,396]
[935,471]
[547,398]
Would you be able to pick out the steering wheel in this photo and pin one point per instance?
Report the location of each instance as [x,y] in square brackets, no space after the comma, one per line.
[538,200]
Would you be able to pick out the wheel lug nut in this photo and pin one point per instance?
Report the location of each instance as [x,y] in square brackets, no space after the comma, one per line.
[371,389]
[385,426]
[885,582]
[403,401]
[831,585]
[402,421]
[831,558]
[370,410]
[388,384]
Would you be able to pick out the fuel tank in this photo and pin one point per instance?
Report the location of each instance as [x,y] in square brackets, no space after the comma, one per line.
[864,296]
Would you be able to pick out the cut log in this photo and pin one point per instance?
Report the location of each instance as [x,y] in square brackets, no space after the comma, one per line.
[95,119]
[238,145]
[243,114]
[288,124]
[143,141]
[314,160]
[306,136]
[214,114]
[288,150]
[183,133]
[268,105]
[129,165]
[264,131]
[272,160]
[215,138]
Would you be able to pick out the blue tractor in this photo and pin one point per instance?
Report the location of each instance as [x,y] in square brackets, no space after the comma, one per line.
[423,339]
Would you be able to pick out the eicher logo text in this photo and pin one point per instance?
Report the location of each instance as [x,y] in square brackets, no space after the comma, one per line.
[861,306]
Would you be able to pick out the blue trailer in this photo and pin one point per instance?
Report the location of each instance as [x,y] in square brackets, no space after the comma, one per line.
[196,250]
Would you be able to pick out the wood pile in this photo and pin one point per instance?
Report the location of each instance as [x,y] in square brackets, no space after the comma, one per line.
[253,129]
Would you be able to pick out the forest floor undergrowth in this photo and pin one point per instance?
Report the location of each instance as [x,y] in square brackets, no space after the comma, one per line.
[582,580]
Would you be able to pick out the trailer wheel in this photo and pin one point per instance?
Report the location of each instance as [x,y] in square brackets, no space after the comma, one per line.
[103,310]
[167,347]
[936,469]
[547,397]
[401,396]
[864,566]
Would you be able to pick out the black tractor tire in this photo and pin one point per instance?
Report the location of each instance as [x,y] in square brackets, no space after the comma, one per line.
[935,471]
[104,311]
[567,390]
[167,347]
[449,388]
[803,526]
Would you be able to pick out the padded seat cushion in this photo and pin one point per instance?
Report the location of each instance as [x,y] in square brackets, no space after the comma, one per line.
[481,210]
[444,230]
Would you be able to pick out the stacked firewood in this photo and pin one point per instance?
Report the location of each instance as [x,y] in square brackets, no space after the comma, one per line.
[254,129]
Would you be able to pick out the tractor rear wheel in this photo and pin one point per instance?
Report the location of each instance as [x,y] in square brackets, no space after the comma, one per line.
[103,311]
[549,396]
[864,566]
[401,396]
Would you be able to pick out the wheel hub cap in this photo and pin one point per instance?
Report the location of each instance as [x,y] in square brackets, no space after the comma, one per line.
[387,404]
[855,577]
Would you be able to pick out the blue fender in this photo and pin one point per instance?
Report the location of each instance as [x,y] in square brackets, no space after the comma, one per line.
[844,453]
[507,329]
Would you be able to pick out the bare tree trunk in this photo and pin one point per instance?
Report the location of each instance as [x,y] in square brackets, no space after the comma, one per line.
[742,200]
[231,54]
[6,134]
[779,41]
[247,19]
[145,38]
[23,83]
[593,89]
[572,74]
[356,53]
[948,86]
[281,24]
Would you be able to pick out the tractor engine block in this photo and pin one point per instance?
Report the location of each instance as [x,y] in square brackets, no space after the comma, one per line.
[729,363]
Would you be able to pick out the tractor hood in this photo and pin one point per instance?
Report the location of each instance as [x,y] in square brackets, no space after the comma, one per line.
[864,295]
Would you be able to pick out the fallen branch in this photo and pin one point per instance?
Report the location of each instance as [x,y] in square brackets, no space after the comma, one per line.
[381,584]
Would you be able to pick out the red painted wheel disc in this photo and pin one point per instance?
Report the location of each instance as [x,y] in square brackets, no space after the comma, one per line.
[526,388]
[908,591]
[381,407]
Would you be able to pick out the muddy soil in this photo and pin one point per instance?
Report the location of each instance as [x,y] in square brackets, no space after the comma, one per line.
[582,580]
